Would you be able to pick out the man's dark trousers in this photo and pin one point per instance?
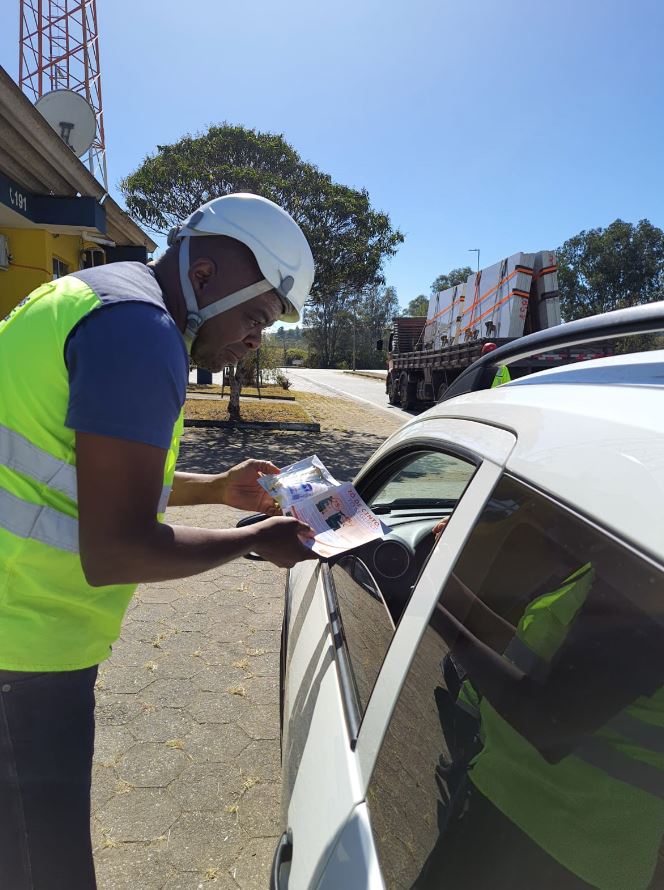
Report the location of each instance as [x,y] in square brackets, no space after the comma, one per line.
[46,747]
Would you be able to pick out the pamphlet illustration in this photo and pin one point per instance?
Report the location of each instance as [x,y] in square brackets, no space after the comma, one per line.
[334,510]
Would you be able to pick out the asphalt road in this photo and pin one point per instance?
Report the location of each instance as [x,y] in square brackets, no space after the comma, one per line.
[362,389]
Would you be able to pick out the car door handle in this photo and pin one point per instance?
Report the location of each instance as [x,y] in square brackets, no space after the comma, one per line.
[282,855]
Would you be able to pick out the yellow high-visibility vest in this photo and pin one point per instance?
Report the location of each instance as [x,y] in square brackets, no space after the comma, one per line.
[51,619]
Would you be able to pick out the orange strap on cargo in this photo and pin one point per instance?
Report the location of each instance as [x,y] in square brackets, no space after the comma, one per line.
[512,293]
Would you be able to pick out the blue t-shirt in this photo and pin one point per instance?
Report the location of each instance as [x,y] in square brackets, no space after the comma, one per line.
[128,370]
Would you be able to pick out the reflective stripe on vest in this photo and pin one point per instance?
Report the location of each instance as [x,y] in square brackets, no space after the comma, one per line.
[614,763]
[17,453]
[37,521]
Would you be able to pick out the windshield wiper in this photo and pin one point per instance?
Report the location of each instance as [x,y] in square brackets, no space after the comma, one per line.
[415,504]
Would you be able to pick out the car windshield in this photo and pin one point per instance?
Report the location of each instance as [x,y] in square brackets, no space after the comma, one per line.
[426,480]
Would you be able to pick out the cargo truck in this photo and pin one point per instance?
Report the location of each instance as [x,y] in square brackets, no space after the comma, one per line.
[495,305]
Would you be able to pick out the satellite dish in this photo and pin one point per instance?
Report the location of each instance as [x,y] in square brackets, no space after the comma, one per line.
[71,117]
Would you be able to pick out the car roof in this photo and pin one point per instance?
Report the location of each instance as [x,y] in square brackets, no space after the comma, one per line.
[591,434]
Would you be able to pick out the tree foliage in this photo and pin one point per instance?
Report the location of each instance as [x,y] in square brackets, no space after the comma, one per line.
[454,277]
[417,306]
[612,268]
[349,238]
[352,329]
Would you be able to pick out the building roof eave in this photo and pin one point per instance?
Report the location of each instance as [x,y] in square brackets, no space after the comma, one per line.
[53,167]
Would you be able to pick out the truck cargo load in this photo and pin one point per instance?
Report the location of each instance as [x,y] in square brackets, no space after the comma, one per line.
[516,296]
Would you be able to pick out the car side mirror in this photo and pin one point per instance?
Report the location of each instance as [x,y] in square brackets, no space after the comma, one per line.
[379,345]
[251,520]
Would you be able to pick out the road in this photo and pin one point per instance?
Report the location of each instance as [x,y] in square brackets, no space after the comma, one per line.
[362,389]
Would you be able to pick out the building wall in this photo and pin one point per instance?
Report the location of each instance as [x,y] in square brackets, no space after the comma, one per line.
[32,253]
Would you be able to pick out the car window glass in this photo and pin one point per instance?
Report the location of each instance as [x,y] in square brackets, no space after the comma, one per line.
[426,477]
[526,748]
[372,585]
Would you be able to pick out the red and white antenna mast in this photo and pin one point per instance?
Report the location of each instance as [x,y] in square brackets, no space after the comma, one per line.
[59,50]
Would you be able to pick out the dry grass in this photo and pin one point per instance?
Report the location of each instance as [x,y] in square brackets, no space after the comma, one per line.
[265,412]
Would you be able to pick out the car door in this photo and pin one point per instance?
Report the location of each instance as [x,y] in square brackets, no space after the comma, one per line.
[551,777]
[344,617]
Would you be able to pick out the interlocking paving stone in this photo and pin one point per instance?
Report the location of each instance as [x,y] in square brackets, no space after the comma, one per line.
[111,742]
[116,709]
[211,879]
[261,759]
[216,743]
[198,841]
[208,786]
[216,707]
[104,785]
[258,811]
[151,765]
[259,722]
[162,725]
[132,866]
[124,678]
[142,814]
[170,693]
[253,864]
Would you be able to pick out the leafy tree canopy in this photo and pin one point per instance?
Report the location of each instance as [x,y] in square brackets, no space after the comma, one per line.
[348,237]
[417,306]
[456,276]
[604,269]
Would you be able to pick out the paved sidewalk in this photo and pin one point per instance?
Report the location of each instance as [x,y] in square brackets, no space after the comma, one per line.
[186,776]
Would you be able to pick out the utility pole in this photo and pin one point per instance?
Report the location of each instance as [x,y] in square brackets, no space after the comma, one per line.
[477,251]
[354,349]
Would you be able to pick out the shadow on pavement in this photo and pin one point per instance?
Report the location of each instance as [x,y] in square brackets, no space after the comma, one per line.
[212,450]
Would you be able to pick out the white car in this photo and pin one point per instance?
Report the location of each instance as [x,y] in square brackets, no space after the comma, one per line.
[485,707]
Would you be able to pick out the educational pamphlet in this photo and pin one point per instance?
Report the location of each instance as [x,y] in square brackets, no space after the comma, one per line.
[337,514]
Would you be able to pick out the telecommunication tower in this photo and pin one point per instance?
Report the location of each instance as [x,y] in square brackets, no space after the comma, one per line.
[59,50]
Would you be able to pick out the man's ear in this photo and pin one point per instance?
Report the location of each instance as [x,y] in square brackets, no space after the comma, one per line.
[201,271]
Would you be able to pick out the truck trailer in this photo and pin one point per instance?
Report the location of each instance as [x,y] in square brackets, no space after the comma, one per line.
[511,298]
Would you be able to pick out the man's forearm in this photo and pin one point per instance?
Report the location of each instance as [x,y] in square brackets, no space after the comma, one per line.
[190,489]
[167,552]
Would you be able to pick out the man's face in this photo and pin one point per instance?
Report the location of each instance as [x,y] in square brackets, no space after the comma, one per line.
[228,337]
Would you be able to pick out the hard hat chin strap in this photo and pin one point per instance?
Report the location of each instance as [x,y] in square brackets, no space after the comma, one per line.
[197,317]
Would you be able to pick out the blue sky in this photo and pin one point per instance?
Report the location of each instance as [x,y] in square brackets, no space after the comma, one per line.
[500,125]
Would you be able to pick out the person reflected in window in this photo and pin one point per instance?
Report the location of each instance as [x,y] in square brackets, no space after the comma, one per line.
[568,788]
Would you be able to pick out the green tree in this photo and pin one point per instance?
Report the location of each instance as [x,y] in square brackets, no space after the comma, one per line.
[604,269]
[349,238]
[456,276]
[417,306]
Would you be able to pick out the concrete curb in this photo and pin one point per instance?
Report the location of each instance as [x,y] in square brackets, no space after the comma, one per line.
[218,395]
[378,375]
[255,425]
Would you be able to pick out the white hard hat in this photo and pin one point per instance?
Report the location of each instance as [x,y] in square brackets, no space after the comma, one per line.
[276,241]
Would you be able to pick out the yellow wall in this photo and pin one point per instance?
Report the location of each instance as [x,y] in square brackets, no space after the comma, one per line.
[32,252]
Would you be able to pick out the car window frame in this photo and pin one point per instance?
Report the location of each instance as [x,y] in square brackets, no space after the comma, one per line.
[393,461]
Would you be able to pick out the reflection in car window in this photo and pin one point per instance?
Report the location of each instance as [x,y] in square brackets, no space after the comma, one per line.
[366,623]
[526,748]
[373,585]
[425,477]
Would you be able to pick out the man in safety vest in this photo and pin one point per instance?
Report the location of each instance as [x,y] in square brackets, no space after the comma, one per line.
[94,368]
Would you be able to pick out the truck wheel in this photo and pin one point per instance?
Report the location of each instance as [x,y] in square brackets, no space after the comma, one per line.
[393,391]
[407,392]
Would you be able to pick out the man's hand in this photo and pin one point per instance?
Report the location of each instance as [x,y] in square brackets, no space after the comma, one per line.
[238,487]
[279,540]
